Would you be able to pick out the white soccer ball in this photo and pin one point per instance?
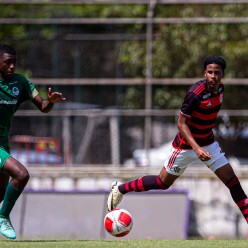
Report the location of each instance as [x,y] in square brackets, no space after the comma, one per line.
[118,222]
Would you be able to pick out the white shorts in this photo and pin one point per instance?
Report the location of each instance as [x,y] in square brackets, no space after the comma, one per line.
[180,159]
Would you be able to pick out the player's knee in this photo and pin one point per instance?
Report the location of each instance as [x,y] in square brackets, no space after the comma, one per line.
[166,179]
[164,184]
[167,185]
[23,176]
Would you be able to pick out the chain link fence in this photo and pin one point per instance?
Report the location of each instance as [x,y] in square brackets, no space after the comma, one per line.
[91,126]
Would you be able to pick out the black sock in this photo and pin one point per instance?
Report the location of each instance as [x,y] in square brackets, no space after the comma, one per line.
[238,196]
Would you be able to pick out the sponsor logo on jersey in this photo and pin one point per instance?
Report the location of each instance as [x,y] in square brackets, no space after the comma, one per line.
[13,102]
[13,82]
[206,96]
[15,91]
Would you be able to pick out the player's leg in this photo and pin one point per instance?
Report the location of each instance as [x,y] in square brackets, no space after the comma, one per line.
[228,177]
[152,182]
[162,181]
[4,179]
[224,171]
[173,168]
[19,178]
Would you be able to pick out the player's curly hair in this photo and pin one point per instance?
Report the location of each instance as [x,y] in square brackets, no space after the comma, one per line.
[215,60]
[7,49]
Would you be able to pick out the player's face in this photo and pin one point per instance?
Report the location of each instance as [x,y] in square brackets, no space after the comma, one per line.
[213,75]
[7,65]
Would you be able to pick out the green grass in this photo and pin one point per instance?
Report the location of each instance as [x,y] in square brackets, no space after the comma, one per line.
[124,243]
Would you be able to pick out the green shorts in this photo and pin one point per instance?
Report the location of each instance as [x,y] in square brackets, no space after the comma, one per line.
[4,155]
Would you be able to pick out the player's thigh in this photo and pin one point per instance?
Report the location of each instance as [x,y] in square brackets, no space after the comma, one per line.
[178,161]
[4,156]
[218,158]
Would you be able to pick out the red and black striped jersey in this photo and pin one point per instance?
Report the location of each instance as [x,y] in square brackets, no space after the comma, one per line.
[200,107]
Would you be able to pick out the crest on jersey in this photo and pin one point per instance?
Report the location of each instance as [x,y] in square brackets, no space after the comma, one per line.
[15,91]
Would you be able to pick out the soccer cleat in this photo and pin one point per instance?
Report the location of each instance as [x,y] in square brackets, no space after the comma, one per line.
[115,196]
[6,228]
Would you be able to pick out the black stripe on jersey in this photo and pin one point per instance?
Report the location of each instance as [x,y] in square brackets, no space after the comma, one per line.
[205,142]
[202,122]
[206,111]
[199,131]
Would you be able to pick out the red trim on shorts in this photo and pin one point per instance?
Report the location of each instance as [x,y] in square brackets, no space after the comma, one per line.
[173,158]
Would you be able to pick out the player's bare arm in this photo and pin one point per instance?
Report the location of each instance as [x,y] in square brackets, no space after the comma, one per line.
[202,154]
[46,105]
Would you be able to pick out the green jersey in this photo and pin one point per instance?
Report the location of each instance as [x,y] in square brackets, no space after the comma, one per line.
[12,93]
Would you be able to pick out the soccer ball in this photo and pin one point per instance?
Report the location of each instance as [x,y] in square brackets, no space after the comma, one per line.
[118,222]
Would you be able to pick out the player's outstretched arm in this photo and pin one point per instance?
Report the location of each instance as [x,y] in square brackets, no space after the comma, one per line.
[46,105]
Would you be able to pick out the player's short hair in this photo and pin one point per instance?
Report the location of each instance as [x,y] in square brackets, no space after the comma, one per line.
[215,60]
[7,49]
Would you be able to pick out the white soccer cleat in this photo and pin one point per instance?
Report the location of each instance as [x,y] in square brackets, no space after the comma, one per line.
[6,228]
[115,196]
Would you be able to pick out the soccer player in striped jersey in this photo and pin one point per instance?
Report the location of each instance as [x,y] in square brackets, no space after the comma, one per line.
[14,90]
[194,141]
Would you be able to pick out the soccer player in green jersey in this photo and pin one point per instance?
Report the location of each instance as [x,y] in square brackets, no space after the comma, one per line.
[14,90]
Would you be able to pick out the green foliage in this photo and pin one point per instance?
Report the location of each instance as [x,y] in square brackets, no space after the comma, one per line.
[72,10]
[133,98]
[178,49]
[132,55]
[167,97]
[201,10]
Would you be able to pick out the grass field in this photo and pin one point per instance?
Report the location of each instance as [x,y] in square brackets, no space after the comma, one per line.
[124,243]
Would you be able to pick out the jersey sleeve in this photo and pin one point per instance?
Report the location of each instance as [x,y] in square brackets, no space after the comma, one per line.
[189,104]
[32,91]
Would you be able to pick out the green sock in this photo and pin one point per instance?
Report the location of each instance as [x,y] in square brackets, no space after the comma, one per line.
[10,197]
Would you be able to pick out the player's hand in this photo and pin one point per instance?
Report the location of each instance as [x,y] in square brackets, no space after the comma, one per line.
[203,154]
[54,97]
